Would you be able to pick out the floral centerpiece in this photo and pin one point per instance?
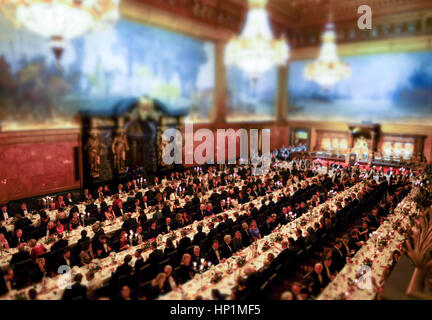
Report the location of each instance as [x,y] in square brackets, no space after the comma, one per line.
[216,277]
[50,239]
[146,245]
[303,222]
[241,261]
[278,238]
[94,266]
[172,236]
[265,246]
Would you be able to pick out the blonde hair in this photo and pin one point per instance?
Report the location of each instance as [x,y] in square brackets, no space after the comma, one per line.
[159,280]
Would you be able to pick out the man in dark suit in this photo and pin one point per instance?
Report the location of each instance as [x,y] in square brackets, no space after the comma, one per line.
[199,236]
[65,260]
[21,256]
[226,247]
[102,247]
[124,269]
[168,226]
[68,200]
[183,243]
[319,279]
[154,258]
[214,255]
[4,214]
[17,239]
[60,243]
[129,223]
[86,196]
[77,291]
[337,256]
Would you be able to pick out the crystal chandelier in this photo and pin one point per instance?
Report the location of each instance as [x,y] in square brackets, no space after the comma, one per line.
[60,20]
[255,50]
[327,70]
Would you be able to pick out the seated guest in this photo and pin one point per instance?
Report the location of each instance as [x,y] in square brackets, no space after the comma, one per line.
[36,249]
[4,214]
[364,232]
[102,247]
[185,272]
[22,223]
[237,242]
[51,228]
[86,254]
[254,231]
[199,236]
[156,286]
[65,260]
[109,214]
[39,271]
[328,268]
[59,227]
[60,243]
[77,291]
[154,258]
[4,245]
[246,238]
[196,255]
[214,255]
[183,243]
[17,239]
[354,242]
[226,247]
[319,279]
[300,242]
[22,211]
[75,222]
[170,280]
[337,256]
[142,218]
[125,269]
[124,242]
[21,256]
[84,239]
[129,223]
[169,247]
[153,231]
[3,229]
[68,200]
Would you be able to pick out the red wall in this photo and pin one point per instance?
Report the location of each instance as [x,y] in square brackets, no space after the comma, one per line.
[38,162]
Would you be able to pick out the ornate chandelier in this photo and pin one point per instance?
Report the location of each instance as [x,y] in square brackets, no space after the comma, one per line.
[327,70]
[60,20]
[255,50]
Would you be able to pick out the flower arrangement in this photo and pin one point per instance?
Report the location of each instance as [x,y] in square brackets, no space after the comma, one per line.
[382,243]
[278,238]
[216,277]
[146,245]
[172,236]
[241,261]
[50,239]
[94,267]
[266,246]
[396,225]
[303,222]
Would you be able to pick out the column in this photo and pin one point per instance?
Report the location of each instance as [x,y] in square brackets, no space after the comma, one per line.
[220,92]
[282,93]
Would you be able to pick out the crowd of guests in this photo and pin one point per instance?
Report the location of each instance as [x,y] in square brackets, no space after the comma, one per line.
[169,269]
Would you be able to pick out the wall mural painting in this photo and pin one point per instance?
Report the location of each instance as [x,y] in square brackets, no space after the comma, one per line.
[393,87]
[98,70]
[250,99]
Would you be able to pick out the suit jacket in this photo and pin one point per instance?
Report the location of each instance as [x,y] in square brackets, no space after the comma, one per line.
[212,256]
[19,257]
[77,291]
[60,244]
[338,259]
[226,250]
[183,244]
[200,236]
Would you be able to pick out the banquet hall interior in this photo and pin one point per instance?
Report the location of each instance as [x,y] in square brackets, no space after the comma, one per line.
[215,150]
